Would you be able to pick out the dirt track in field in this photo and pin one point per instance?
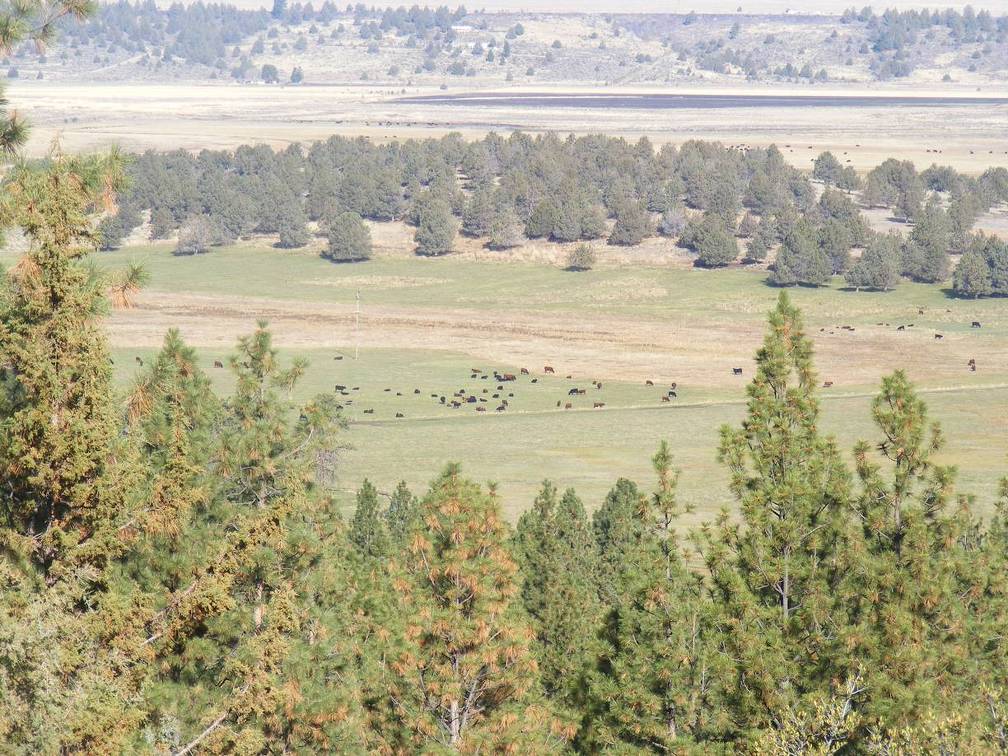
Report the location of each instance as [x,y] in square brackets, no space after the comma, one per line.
[701,351]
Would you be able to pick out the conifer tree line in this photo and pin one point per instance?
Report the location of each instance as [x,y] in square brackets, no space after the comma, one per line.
[178,578]
[723,204]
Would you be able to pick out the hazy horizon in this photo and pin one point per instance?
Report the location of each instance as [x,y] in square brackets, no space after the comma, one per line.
[835,7]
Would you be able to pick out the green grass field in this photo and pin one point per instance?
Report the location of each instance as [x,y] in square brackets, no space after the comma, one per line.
[621,322]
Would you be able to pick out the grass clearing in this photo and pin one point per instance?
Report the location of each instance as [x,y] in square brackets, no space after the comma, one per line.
[425,323]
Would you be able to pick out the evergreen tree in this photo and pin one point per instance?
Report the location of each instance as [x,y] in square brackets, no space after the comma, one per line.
[367,528]
[75,664]
[556,553]
[916,584]
[878,267]
[349,238]
[436,232]
[972,276]
[401,515]
[775,574]
[655,682]
[464,677]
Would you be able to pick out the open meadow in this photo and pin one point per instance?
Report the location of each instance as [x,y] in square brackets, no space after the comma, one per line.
[426,323]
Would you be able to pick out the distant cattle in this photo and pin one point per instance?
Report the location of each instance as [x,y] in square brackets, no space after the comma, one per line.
[339,386]
[535,380]
[338,357]
[524,371]
[558,404]
[673,385]
[355,388]
[548,369]
[736,371]
[399,414]
[649,383]
[501,407]
[901,328]
[599,385]
[471,400]
[416,391]
[938,336]
[138,361]
[569,377]
[827,384]
[398,393]
[369,411]
[671,392]
[567,406]
[920,310]
[442,400]
[665,398]
[475,370]
[483,377]
[496,396]
[388,389]
[481,409]
[672,395]
[456,405]
[976,323]
[218,364]
[597,405]
[572,392]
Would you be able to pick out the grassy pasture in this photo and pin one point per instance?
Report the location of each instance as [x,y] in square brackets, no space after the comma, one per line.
[425,323]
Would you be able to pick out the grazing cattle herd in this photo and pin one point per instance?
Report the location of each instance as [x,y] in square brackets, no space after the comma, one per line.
[478,399]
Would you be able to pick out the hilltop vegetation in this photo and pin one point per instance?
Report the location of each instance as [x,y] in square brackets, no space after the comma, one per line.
[725,205]
[417,46]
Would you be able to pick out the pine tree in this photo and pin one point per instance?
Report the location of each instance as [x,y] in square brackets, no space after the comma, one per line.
[464,677]
[401,515]
[367,528]
[775,574]
[75,664]
[916,583]
[655,685]
[556,553]
[972,276]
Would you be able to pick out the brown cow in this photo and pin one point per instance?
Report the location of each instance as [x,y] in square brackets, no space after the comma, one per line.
[338,357]
[475,370]
[938,336]
[567,406]
[549,370]
[665,398]
[481,409]
[399,414]
[569,377]
[827,384]
[218,364]
[649,383]
[598,404]
[524,371]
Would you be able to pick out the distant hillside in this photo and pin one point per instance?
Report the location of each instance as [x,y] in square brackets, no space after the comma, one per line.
[422,46]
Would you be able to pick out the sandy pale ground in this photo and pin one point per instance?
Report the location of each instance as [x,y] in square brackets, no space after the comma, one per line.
[613,347]
[194,116]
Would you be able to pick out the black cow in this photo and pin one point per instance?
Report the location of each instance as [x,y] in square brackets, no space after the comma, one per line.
[976,323]
[736,371]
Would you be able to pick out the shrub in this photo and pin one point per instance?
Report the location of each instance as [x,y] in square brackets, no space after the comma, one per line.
[582,257]
[195,236]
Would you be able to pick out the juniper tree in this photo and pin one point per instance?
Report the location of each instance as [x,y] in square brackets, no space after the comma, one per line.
[774,572]
[464,676]
[972,277]
[878,267]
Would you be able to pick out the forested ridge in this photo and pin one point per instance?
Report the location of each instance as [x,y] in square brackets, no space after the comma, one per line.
[725,204]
